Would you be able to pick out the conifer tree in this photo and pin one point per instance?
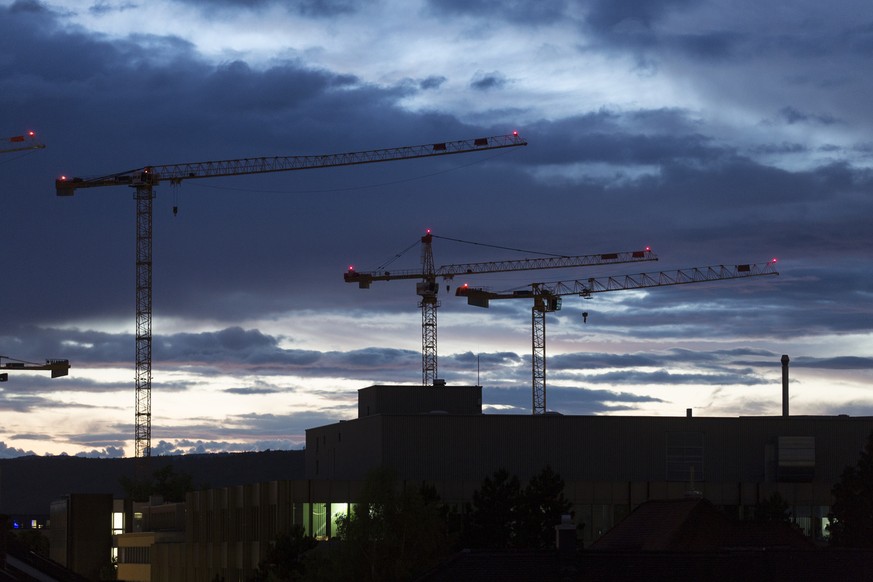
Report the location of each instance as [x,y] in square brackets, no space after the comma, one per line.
[852,512]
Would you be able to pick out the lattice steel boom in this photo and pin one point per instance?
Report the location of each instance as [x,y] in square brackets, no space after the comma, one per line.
[547,298]
[428,288]
[146,178]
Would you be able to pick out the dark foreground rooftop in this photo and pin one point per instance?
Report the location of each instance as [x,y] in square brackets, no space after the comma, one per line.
[744,565]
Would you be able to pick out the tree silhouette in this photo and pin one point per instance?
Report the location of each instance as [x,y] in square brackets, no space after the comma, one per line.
[852,512]
[541,505]
[284,561]
[165,482]
[492,520]
[505,515]
[773,508]
[395,532]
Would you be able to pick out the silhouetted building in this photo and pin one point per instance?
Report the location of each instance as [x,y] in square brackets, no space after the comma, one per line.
[695,525]
[155,537]
[81,534]
[610,464]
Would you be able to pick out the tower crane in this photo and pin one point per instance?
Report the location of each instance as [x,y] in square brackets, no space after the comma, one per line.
[144,180]
[428,288]
[19,143]
[547,299]
[58,368]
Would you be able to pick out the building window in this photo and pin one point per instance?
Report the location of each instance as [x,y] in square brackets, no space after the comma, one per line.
[337,511]
[685,452]
[117,523]
[134,555]
[319,521]
[796,457]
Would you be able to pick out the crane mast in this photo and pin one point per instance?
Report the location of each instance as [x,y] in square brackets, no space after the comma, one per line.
[146,178]
[547,298]
[427,288]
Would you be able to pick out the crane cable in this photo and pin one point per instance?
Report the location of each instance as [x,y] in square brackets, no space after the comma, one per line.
[397,256]
[361,187]
[410,247]
[18,157]
[499,247]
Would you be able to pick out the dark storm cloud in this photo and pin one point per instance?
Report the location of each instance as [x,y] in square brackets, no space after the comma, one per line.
[24,403]
[563,399]
[313,8]
[189,106]
[199,447]
[261,432]
[585,361]
[37,384]
[609,14]
[487,81]
[282,88]
[230,348]
[486,359]
[689,163]
[714,367]
[249,346]
[256,352]
[7,452]
[516,11]
[837,363]
[208,435]
[109,452]
[29,6]
[665,378]
[432,82]
[791,116]
[252,391]
[102,8]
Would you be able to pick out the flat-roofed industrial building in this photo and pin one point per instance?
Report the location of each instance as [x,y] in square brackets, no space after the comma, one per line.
[610,464]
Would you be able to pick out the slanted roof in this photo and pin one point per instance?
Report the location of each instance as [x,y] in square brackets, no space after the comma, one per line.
[688,525]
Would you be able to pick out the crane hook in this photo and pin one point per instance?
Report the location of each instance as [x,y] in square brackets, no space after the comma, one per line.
[175,185]
[584,317]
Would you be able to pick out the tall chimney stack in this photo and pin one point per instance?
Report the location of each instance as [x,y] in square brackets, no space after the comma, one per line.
[785,360]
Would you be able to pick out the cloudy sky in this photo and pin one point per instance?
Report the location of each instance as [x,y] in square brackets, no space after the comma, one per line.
[715,132]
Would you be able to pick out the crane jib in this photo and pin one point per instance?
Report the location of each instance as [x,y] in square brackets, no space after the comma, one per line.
[143,179]
[152,175]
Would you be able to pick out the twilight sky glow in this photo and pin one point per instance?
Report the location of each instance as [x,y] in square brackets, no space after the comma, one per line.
[716,132]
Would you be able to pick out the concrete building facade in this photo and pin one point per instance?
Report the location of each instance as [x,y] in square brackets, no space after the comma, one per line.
[438,435]
[610,464]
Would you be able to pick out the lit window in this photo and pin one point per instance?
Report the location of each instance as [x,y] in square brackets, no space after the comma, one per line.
[117,522]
